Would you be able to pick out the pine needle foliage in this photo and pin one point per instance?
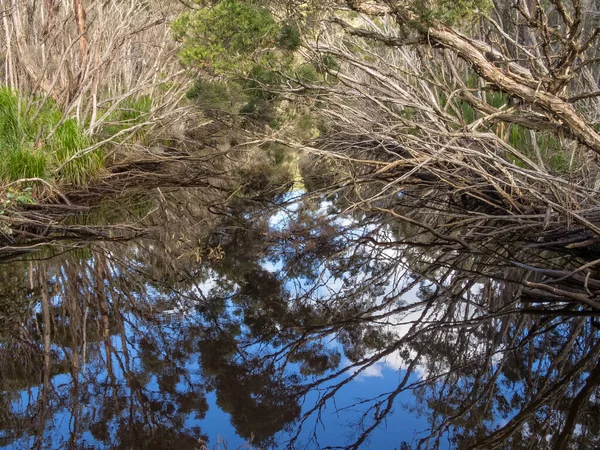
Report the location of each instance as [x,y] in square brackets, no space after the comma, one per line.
[224,37]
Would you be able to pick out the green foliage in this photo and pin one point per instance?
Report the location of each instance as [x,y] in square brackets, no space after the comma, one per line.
[69,139]
[24,163]
[225,38]
[559,162]
[329,62]
[468,113]
[449,11]
[17,197]
[228,96]
[19,156]
[307,73]
[496,99]
[35,141]
[248,96]
[259,78]
[135,109]
[289,37]
[551,151]
[247,53]
[308,127]
[260,97]
[519,138]
[131,111]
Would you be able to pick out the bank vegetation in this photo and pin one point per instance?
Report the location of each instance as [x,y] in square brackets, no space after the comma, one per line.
[94,102]
[475,122]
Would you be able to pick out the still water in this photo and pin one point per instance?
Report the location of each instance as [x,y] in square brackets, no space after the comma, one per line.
[286,324]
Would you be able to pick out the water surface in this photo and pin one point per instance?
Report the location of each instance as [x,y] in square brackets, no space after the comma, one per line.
[285,324]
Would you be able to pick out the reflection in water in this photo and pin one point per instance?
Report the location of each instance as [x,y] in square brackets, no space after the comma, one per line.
[291,323]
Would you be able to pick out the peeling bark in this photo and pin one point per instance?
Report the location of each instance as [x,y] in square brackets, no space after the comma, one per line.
[80,15]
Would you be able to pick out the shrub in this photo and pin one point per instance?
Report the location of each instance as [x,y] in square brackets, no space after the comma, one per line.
[224,37]
[227,96]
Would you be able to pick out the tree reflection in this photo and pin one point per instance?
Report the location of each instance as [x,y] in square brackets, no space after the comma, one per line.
[277,314]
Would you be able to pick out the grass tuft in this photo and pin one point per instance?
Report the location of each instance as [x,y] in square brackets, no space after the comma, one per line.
[131,111]
[67,140]
[34,143]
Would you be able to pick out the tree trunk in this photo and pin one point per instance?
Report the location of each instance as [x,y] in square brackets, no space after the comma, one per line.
[81,26]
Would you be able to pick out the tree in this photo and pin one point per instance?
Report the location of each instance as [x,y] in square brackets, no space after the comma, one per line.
[225,37]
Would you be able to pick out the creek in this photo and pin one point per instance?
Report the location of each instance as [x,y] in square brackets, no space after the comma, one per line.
[286,323]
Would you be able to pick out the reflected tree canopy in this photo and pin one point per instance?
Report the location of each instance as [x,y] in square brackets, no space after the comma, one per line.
[275,313]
